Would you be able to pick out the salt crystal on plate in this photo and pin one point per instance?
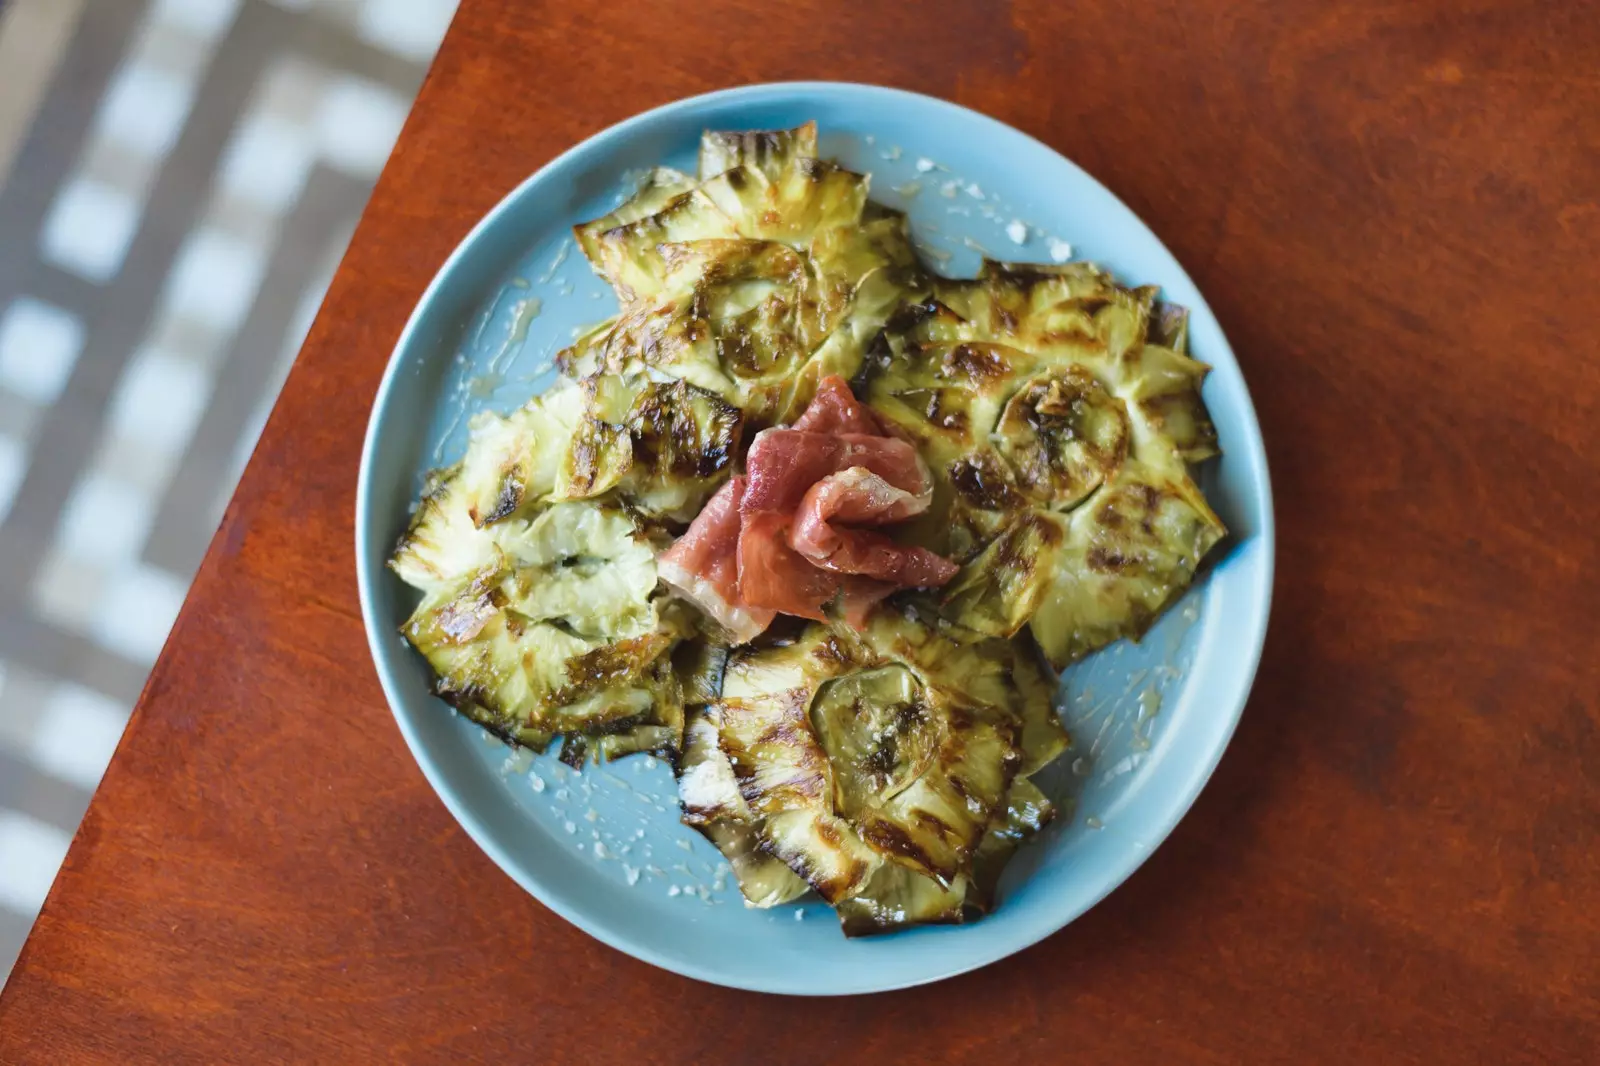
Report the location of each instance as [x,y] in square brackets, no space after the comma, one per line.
[1017,230]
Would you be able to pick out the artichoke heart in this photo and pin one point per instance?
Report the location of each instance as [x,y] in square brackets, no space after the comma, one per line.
[1060,412]
[874,763]
[559,631]
[753,282]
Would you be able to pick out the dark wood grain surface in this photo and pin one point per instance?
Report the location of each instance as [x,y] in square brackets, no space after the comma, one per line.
[1394,210]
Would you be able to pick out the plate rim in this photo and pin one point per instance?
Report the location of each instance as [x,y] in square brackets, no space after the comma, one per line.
[1257,617]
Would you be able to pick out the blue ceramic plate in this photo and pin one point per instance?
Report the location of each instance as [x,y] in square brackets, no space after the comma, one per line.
[604,849]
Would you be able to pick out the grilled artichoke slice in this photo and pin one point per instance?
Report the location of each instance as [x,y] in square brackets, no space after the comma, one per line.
[711,803]
[1127,554]
[659,188]
[662,446]
[1027,811]
[891,747]
[895,897]
[804,199]
[515,462]
[1060,414]
[770,151]
[628,256]
[560,631]
[753,284]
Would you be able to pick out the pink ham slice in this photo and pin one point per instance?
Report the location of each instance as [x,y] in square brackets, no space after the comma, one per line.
[827,530]
[799,530]
[859,595]
[783,464]
[834,409]
[777,577]
[702,565]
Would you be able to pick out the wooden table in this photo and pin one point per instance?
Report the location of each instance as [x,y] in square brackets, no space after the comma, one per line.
[1395,211]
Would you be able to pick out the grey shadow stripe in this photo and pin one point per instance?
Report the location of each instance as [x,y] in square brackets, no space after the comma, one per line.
[13,933]
[53,141]
[337,48]
[330,202]
[57,286]
[26,788]
[62,446]
[45,649]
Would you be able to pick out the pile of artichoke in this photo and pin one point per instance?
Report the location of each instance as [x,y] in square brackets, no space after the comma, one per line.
[887,768]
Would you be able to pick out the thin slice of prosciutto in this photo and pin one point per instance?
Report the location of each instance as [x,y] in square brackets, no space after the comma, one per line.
[702,565]
[834,409]
[802,528]
[827,530]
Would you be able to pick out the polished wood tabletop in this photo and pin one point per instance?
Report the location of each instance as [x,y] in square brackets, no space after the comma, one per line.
[1394,210]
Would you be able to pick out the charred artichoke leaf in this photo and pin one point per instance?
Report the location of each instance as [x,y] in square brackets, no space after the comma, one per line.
[769,151]
[662,446]
[997,591]
[763,879]
[1043,739]
[586,355]
[513,462]
[599,456]
[869,269]
[1163,389]
[534,739]
[684,441]
[1169,326]
[1127,554]
[707,789]
[823,850]
[1026,813]
[766,729]
[709,796]
[659,731]
[442,544]
[794,205]
[656,190]
[895,897]
[629,256]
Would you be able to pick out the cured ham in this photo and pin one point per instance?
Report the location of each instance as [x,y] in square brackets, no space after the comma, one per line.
[834,409]
[803,527]
[702,565]
[774,575]
[827,530]
[783,464]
